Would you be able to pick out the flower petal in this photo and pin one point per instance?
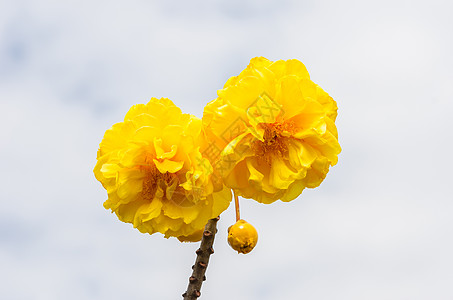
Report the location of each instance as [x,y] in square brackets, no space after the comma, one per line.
[148,211]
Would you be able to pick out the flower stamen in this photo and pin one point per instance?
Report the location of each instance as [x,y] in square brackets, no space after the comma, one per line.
[154,180]
[273,142]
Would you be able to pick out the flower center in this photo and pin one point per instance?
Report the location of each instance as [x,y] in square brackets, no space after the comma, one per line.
[274,141]
[157,184]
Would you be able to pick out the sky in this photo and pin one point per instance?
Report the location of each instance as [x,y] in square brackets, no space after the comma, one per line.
[378,227]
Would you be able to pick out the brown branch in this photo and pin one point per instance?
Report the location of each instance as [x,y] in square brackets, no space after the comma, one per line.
[201,263]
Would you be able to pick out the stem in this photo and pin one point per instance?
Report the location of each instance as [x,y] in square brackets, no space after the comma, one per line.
[236,204]
[201,263]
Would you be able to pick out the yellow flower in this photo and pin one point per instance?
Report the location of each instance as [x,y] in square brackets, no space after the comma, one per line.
[272,131]
[242,237]
[155,175]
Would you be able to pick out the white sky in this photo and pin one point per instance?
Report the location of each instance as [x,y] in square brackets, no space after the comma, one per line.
[379,227]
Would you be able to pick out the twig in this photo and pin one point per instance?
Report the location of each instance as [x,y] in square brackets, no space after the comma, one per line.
[201,263]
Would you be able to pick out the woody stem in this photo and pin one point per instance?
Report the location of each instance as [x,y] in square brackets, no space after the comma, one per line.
[202,260]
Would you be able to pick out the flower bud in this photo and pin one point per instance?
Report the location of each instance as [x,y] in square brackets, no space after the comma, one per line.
[242,237]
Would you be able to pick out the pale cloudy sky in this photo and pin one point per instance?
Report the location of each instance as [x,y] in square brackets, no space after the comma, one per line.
[379,227]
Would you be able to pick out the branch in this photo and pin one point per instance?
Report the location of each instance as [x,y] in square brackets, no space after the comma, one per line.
[201,263]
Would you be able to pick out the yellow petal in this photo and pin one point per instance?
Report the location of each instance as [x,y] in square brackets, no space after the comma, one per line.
[171,189]
[175,211]
[146,134]
[221,200]
[309,116]
[245,93]
[264,110]
[328,146]
[130,187]
[280,175]
[129,182]
[171,135]
[301,155]
[116,138]
[255,175]
[164,224]
[126,212]
[317,173]
[145,119]
[290,96]
[293,191]
[295,67]
[110,170]
[330,106]
[282,68]
[148,211]
[162,153]
[168,165]
[194,237]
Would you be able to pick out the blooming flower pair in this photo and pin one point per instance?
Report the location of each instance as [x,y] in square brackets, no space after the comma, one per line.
[270,134]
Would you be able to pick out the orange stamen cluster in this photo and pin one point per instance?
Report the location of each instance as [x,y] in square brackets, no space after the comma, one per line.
[155,179]
[274,141]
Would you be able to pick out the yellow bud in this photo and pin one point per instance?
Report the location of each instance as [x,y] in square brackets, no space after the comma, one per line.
[242,237]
